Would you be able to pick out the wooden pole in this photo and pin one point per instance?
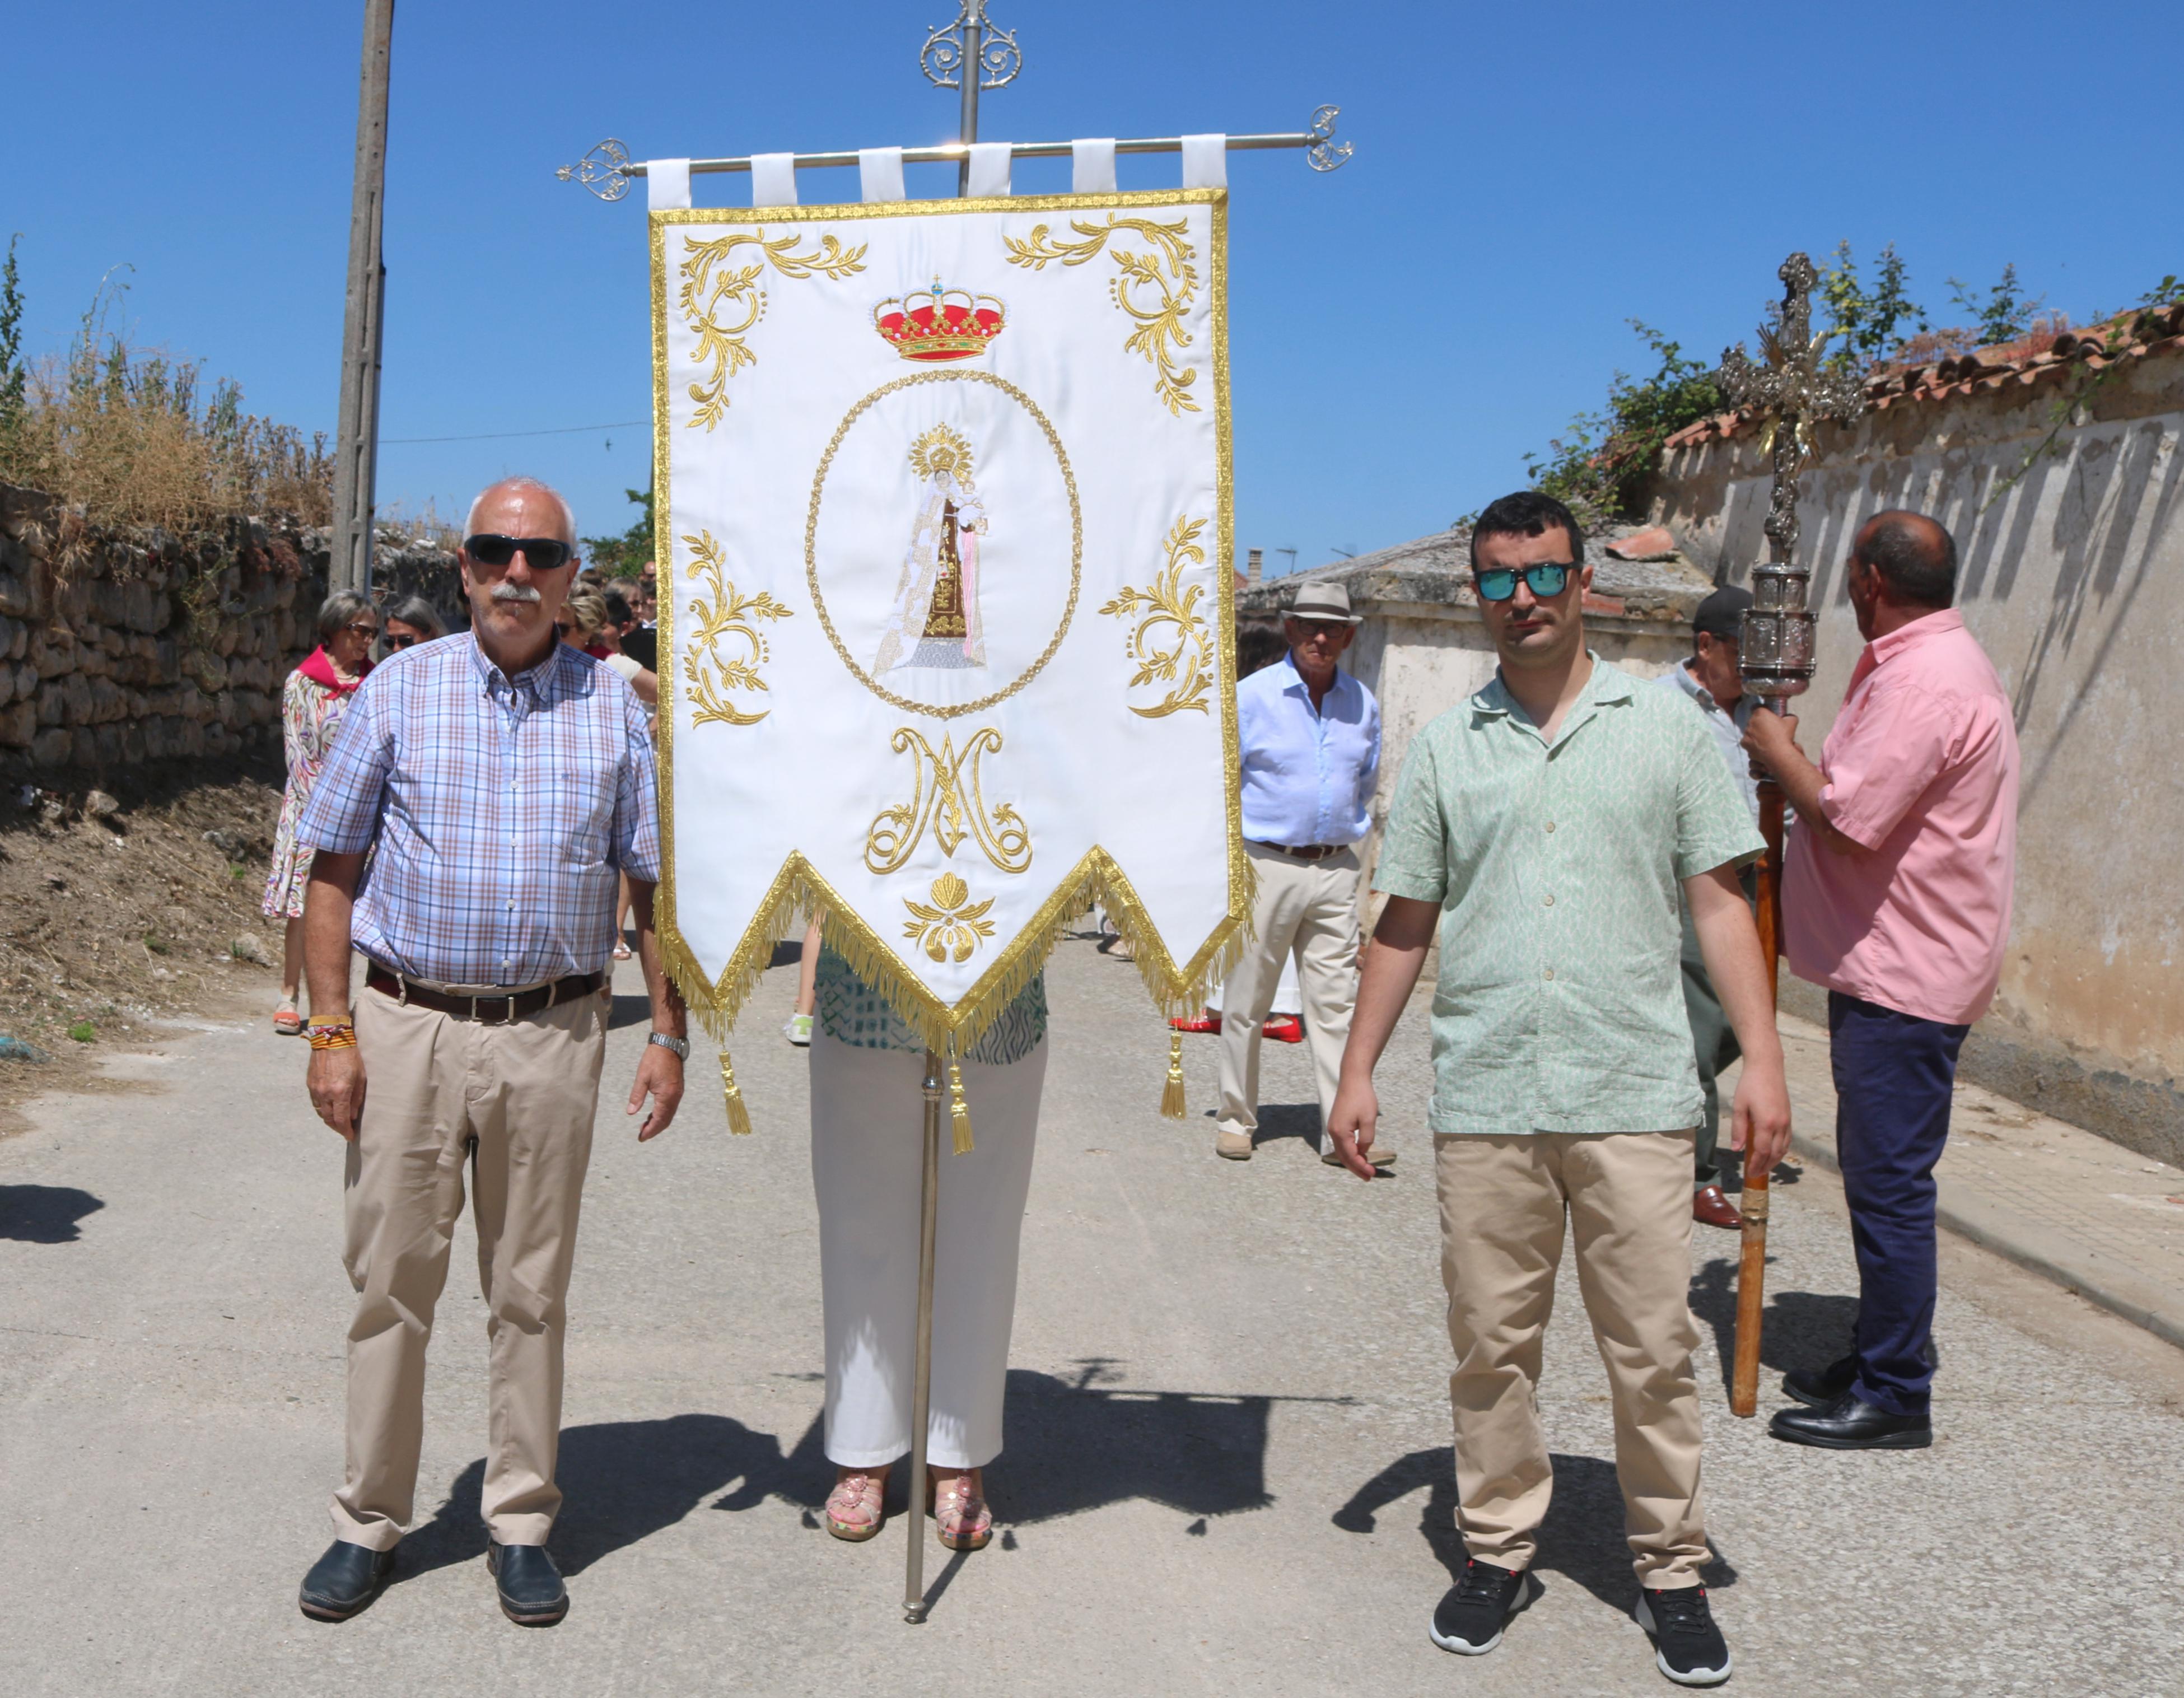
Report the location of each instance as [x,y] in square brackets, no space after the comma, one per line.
[356,451]
[1751,1262]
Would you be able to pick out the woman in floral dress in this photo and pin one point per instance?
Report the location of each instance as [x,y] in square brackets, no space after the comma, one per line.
[312,704]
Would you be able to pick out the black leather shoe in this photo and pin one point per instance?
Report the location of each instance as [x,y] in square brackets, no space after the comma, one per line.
[344,1580]
[532,1594]
[1847,1424]
[1818,1388]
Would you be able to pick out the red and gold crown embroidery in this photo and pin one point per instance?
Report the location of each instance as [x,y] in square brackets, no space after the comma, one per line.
[939,324]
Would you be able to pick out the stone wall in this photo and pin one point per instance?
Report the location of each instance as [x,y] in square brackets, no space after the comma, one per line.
[118,647]
[2072,578]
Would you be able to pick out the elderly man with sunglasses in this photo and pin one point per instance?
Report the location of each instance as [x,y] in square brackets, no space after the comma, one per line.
[1309,738]
[502,781]
[1548,825]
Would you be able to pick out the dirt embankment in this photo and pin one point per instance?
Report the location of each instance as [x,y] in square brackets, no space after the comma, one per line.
[126,904]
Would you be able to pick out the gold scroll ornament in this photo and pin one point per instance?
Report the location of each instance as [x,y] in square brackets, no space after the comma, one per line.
[1171,643]
[724,613]
[1157,302]
[953,805]
[721,302]
[953,926]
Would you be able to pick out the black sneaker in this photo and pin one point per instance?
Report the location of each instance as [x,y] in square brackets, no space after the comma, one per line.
[1687,1647]
[1471,1617]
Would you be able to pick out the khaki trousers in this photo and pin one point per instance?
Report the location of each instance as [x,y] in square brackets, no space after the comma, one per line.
[517,1101]
[1628,1196]
[1309,907]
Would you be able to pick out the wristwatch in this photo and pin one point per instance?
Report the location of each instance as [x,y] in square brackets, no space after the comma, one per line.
[668,1040]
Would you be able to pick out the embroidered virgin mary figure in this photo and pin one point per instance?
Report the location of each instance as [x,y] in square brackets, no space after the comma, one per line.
[936,621]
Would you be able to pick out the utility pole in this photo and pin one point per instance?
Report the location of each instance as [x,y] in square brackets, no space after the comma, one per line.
[356,451]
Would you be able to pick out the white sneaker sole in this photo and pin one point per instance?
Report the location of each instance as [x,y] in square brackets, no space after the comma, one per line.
[1691,1677]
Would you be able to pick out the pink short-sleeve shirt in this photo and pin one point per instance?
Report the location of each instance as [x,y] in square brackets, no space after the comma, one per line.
[1921,769]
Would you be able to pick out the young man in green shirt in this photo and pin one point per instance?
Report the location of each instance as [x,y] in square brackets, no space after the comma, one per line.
[1546,826]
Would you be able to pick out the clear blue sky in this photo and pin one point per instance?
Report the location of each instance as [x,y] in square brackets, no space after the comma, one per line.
[1527,178]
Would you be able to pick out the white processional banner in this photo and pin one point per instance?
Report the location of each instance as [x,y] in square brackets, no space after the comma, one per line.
[944,538]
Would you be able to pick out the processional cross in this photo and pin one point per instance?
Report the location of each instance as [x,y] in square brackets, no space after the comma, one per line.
[973,54]
[1791,395]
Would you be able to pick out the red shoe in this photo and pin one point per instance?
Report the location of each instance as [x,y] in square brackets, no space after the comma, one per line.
[1205,1020]
[1284,1028]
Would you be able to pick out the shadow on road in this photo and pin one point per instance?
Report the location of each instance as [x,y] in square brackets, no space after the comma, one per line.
[1582,1538]
[44,1214]
[1277,1121]
[1800,1329]
[629,1010]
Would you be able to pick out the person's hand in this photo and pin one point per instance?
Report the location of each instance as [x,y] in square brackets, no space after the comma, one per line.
[336,1086]
[1767,736]
[659,1076]
[1760,1118]
[1350,1127]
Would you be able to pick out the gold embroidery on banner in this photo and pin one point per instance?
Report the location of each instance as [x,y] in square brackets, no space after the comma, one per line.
[732,291]
[955,808]
[1184,663]
[1160,335]
[956,926]
[726,615]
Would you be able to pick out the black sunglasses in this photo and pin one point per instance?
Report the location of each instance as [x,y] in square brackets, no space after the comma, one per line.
[490,549]
[1547,579]
[395,642]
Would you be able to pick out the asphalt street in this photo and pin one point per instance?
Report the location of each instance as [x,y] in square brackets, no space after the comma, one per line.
[1228,1467]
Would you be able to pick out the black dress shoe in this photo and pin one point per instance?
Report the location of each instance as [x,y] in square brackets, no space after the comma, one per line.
[1818,1388]
[1847,1424]
[343,1581]
[532,1594]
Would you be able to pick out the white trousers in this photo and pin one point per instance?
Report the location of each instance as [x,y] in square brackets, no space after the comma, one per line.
[868,1121]
[1308,907]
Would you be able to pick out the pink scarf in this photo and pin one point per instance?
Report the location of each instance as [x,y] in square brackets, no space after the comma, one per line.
[320,670]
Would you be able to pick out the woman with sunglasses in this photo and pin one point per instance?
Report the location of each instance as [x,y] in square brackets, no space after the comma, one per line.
[411,621]
[312,703]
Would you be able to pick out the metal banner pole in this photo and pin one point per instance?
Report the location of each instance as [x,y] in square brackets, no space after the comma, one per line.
[921,1395]
[1792,392]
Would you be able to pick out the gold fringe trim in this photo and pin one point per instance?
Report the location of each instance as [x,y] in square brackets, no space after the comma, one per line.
[739,1113]
[959,1111]
[1176,989]
[1174,1106]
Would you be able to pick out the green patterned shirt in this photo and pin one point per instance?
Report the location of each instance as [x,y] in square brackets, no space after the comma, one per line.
[852,1012]
[1560,1004]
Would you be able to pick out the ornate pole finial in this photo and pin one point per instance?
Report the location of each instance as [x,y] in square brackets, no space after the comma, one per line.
[603,170]
[972,35]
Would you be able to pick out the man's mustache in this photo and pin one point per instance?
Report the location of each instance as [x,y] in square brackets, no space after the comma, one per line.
[524,592]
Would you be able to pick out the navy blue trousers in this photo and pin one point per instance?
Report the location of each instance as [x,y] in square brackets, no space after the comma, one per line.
[1893,1076]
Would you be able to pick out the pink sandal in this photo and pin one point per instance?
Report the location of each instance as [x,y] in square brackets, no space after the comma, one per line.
[854,1507]
[959,1509]
[286,1022]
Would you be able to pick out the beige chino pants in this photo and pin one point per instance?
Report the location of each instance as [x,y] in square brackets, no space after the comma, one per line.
[1628,1199]
[1310,907]
[518,1099]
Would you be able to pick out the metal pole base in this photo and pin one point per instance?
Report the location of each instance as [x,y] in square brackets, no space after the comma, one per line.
[920,1400]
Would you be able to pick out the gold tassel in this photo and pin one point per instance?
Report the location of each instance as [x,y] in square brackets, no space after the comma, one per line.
[739,1116]
[959,1111]
[1174,1104]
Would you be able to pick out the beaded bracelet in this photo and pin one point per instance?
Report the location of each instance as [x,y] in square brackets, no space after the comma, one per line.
[342,1037]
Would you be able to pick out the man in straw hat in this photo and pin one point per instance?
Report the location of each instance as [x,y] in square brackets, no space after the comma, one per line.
[1309,734]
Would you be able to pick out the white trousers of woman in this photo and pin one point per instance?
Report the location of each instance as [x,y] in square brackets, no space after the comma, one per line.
[867,1155]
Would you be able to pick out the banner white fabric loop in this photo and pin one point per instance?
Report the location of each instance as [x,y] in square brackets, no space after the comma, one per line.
[989,170]
[666,185]
[773,179]
[1092,167]
[1206,162]
[879,173]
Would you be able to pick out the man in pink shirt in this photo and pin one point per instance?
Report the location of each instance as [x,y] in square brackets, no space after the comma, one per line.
[1896,898]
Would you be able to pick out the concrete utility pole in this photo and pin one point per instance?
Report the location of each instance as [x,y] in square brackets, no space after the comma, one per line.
[356,451]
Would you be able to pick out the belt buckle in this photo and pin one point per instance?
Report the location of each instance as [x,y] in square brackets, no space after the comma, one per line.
[510,1019]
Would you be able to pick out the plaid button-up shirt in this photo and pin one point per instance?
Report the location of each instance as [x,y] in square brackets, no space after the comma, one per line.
[501,810]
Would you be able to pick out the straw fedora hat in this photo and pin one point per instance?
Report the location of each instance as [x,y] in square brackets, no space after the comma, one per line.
[1329,603]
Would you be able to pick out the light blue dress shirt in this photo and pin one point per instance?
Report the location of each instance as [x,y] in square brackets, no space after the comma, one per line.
[1308,775]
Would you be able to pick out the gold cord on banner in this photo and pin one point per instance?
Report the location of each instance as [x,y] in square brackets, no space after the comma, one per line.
[739,1116]
[1174,1104]
[959,1111]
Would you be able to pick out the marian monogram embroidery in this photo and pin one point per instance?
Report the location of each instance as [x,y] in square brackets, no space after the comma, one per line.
[953,805]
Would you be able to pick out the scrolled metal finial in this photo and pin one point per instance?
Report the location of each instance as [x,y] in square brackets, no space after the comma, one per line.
[1326,154]
[605,170]
[999,58]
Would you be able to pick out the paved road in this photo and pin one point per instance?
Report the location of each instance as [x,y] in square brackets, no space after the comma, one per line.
[1228,1469]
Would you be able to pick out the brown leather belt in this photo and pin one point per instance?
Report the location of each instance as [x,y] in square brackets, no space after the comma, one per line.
[487,1011]
[1309,852]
